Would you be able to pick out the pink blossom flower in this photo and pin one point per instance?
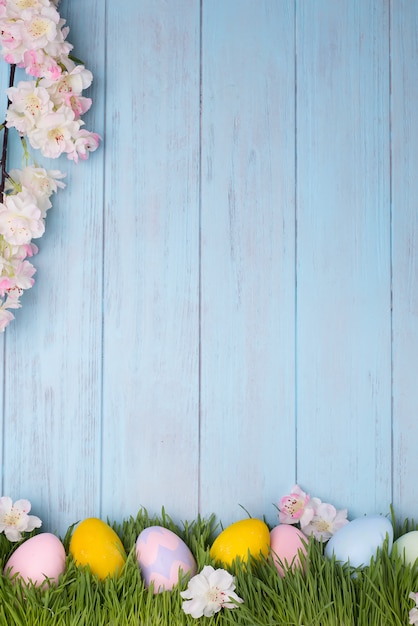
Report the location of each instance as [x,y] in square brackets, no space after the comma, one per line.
[40,64]
[294,507]
[84,142]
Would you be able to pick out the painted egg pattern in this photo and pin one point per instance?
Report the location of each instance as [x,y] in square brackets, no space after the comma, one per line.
[39,558]
[161,555]
[358,541]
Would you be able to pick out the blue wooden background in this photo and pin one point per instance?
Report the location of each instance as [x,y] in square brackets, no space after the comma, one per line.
[226,299]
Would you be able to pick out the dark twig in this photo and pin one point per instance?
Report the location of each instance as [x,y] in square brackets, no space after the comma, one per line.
[5,138]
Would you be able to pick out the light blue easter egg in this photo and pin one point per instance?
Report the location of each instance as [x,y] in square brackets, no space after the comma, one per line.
[358,541]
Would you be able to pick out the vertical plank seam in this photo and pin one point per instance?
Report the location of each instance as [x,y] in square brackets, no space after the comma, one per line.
[391,255]
[199,434]
[101,391]
[295,383]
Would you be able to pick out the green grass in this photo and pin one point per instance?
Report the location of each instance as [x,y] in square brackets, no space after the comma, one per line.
[325,594]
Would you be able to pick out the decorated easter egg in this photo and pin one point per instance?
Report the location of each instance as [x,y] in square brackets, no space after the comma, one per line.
[163,558]
[237,540]
[288,544]
[95,543]
[359,540]
[407,547]
[39,558]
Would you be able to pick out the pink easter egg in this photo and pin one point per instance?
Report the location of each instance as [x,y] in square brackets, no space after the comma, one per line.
[286,544]
[38,558]
[163,558]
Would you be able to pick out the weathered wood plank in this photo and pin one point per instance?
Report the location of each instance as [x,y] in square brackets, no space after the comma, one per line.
[53,360]
[404,74]
[343,253]
[151,274]
[247,276]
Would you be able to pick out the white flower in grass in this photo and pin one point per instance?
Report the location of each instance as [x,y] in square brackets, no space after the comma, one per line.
[14,518]
[413,613]
[326,520]
[209,592]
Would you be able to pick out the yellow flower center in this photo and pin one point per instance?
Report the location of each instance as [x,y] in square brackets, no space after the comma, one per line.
[32,104]
[12,518]
[38,27]
[25,4]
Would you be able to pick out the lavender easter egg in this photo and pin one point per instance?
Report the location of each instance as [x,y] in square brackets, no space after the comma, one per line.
[287,546]
[358,541]
[39,558]
[163,558]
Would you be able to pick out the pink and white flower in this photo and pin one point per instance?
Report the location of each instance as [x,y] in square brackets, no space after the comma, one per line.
[48,112]
[14,518]
[295,508]
[413,613]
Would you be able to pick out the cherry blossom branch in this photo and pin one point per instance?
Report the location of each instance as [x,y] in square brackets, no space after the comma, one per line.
[45,109]
[6,137]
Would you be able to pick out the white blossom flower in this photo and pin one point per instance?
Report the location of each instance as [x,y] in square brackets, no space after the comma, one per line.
[24,8]
[54,133]
[413,613]
[209,592]
[40,28]
[28,103]
[14,518]
[41,183]
[326,520]
[20,218]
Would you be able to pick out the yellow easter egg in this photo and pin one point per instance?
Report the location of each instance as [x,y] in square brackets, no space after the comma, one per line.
[96,544]
[237,540]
